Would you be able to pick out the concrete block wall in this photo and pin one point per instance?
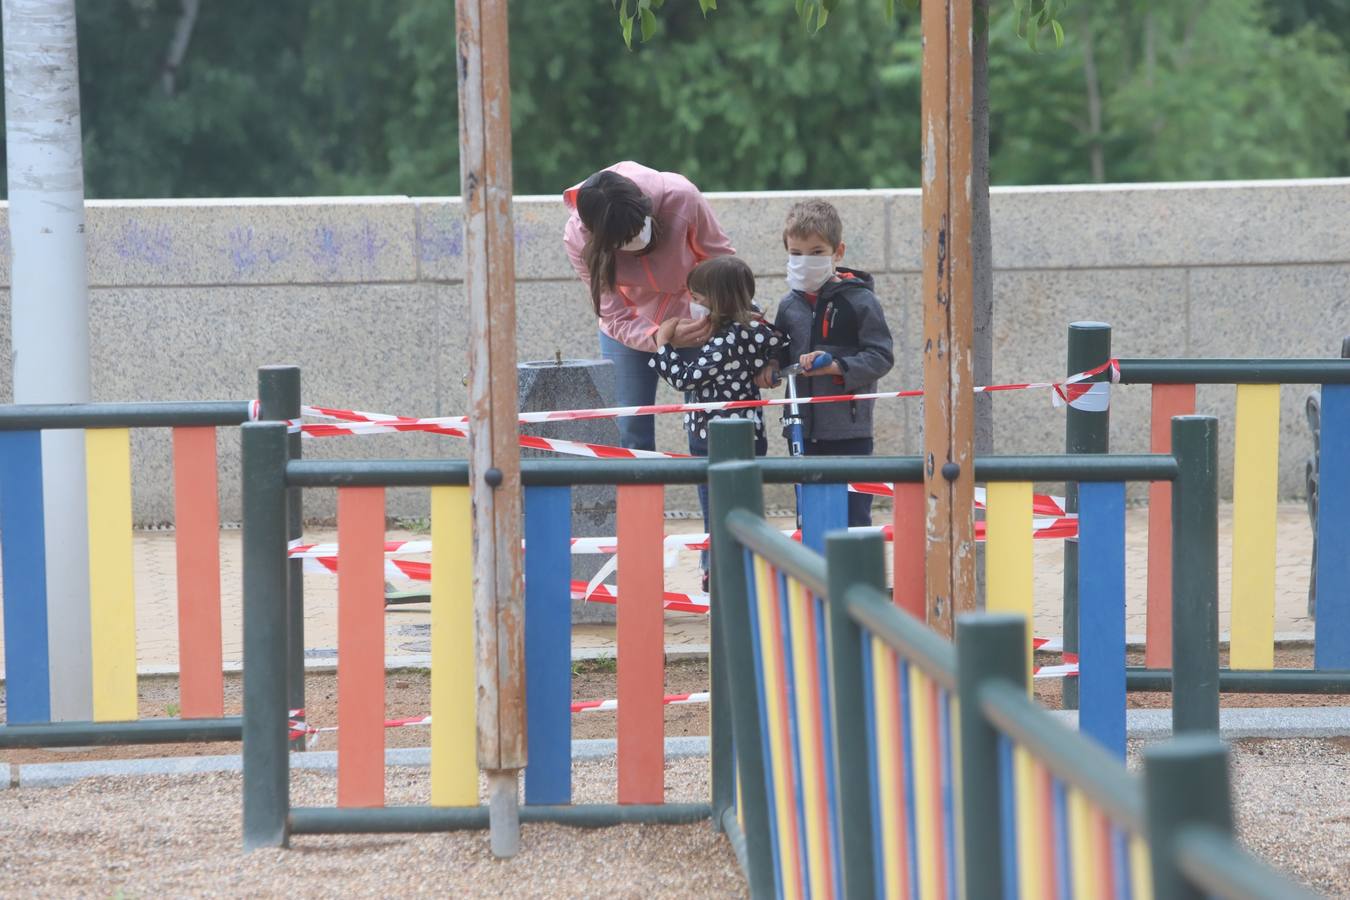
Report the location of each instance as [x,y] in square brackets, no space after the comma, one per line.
[189,297]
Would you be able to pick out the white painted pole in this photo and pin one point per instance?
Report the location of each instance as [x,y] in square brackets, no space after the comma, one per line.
[50,307]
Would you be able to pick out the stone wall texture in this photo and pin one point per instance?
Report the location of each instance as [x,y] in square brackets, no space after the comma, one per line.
[189,297]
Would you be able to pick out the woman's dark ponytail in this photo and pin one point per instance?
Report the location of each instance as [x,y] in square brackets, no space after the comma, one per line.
[613,209]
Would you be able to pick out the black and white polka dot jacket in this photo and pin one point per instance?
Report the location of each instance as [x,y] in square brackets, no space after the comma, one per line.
[722,369]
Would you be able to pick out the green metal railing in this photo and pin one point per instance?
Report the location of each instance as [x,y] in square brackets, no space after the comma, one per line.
[1089,346]
[279,392]
[1188,832]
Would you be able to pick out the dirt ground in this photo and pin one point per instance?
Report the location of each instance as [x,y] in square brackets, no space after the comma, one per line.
[179,836]
[407,694]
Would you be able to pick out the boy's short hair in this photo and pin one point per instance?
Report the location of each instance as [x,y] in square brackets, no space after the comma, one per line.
[814,218]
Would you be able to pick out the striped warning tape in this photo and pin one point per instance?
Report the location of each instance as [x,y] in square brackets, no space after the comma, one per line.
[1071,391]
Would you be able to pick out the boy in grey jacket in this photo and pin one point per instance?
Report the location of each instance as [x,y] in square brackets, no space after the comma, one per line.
[831,309]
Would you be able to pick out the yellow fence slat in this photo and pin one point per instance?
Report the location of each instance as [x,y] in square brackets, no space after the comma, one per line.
[1255,491]
[454,687]
[112,589]
[1008,554]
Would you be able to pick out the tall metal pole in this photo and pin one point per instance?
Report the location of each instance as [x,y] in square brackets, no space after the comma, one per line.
[50,307]
[489,282]
[948,323]
[1085,431]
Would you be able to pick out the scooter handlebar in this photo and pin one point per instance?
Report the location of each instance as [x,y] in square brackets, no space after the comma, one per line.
[824,359]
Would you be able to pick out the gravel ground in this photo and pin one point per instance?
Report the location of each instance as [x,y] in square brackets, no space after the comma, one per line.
[177,837]
[1293,806]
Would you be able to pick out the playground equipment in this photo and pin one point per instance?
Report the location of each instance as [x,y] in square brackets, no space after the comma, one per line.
[1256,430]
[835,714]
[873,758]
[107,676]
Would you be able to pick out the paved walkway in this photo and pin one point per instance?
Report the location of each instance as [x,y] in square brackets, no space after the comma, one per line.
[407,629]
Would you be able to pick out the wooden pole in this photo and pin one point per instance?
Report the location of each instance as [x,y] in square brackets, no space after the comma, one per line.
[948,324]
[489,282]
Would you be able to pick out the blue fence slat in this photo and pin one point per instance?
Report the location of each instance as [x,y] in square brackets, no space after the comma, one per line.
[1101,613]
[824,509]
[548,644]
[1333,531]
[23,553]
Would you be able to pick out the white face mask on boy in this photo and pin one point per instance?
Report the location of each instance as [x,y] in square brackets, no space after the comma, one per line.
[808,273]
[644,237]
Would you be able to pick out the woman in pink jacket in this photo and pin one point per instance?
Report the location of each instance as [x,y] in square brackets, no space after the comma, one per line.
[633,235]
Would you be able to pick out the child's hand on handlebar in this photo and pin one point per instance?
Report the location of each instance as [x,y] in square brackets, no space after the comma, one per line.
[819,363]
[767,377]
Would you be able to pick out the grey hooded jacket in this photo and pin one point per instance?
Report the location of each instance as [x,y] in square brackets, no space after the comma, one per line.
[846,321]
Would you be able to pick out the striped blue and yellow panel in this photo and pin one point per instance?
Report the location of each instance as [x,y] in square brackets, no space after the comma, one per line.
[914,758]
[24,557]
[768,651]
[1056,844]
[803,639]
[789,643]
[892,811]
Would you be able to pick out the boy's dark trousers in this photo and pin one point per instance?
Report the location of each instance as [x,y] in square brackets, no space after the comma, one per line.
[859,505]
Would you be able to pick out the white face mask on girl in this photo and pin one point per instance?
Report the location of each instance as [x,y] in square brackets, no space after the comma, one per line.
[808,273]
[644,237]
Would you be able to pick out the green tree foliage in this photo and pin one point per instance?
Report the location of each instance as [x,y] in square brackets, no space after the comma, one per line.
[358,96]
[1194,91]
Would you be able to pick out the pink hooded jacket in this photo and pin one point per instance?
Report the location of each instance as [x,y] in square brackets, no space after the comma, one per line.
[651,288]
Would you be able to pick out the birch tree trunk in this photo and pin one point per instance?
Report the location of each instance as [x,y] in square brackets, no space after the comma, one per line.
[50,307]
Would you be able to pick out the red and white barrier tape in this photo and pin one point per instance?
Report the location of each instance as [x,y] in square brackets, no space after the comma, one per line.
[1044,528]
[300,728]
[416,570]
[1092,397]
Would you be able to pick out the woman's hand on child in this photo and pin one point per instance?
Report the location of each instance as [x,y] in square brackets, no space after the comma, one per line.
[808,360]
[665,333]
[691,332]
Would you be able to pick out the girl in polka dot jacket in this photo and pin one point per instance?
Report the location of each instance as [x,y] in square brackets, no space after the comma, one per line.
[725,367]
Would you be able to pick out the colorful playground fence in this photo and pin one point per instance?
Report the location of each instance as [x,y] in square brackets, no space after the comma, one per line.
[270,477]
[92,688]
[1257,386]
[857,754]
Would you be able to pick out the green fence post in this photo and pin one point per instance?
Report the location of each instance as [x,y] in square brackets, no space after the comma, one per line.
[732,486]
[266,756]
[852,559]
[1084,432]
[1185,783]
[988,647]
[1195,575]
[728,439]
[279,400]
